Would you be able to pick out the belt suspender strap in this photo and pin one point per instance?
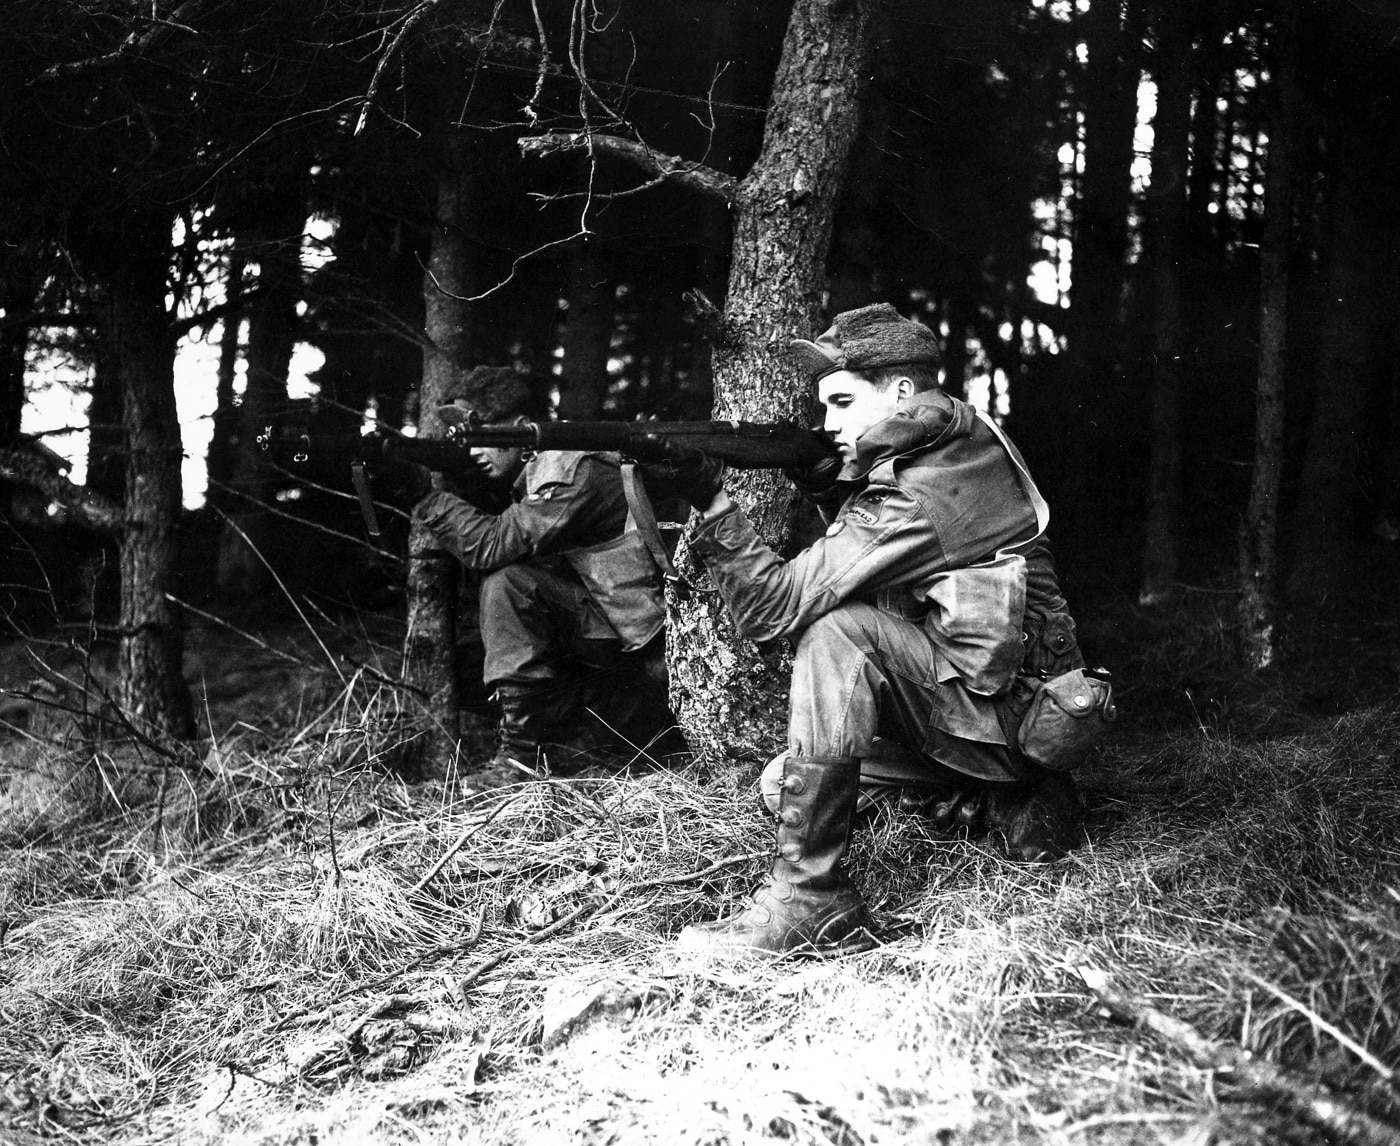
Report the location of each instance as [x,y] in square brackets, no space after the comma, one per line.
[644,518]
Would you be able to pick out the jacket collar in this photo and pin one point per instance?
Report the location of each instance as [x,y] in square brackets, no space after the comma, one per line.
[925,421]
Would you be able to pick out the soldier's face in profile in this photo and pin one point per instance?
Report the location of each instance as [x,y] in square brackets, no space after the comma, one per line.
[853,404]
[496,464]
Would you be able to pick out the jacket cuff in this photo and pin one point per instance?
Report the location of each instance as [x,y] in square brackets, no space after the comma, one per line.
[719,534]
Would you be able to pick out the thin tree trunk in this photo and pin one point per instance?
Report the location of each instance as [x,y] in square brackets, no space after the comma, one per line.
[106,471]
[1258,540]
[1209,66]
[587,332]
[1167,221]
[1100,251]
[731,703]
[1323,527]
[18,290]
[223,445]
[955,356]
[151,687]
[272,331]
[430,646]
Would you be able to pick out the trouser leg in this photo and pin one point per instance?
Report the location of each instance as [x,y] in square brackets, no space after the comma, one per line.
[861,674]
[555,666]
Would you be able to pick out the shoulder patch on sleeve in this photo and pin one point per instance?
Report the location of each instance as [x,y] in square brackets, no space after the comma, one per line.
[866,508]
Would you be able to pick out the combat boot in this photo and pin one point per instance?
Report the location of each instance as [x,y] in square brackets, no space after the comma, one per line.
[1039,819]
[808,904]
[519,736]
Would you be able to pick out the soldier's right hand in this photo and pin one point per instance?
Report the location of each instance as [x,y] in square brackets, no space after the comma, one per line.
[817,480]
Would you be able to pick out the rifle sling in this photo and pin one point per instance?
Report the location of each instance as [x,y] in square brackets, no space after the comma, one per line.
[644,517]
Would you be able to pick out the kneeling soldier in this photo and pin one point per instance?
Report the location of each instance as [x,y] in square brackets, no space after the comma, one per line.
[570,600]
[928,616]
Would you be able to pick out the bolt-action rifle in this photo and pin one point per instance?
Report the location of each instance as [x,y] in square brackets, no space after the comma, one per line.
[323,457]
[742,445]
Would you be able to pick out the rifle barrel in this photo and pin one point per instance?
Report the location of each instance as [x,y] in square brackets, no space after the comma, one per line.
[744,445]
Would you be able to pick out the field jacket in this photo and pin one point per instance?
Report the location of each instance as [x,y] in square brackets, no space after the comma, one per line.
[934,492]
[568,505]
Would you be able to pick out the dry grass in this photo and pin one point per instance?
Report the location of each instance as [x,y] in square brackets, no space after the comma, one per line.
[241,952]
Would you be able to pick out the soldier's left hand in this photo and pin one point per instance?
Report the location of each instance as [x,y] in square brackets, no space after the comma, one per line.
[684,470]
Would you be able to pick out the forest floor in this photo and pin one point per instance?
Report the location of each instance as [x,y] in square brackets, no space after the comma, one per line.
[277,938]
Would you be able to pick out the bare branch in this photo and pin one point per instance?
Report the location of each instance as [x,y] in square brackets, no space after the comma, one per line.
[134,44]
[212,314]
[667,168]
[514,267]
[412,18]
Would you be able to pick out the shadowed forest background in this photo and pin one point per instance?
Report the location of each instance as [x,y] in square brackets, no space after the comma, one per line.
[1156,238]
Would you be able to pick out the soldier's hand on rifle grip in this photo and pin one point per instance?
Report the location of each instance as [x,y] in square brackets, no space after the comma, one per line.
[817,480]
[683,470]
[401,482]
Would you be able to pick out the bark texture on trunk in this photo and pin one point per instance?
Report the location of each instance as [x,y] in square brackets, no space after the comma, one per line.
[431,642]
[1258,540]
[730,701]
[1167,221]
[151,687]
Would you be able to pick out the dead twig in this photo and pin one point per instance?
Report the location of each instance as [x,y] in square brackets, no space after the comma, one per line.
[268,566]
[1308,1098]
[586,909]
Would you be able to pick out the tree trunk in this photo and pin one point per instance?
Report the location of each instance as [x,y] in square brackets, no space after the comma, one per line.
[1258,541]
[1323,527]
[1100,255]
[587,332]
[223,444]
[106,470]
[1166,213]
[430,645]
[151,687]
[731,702]
[1208,19]
[18,290]
[272,332]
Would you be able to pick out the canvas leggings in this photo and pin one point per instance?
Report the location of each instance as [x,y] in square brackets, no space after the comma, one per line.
[861,673]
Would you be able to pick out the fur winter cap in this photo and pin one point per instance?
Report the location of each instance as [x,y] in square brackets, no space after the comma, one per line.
[866,339]
[497,393]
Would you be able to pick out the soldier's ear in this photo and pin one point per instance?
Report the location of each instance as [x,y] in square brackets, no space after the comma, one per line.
[904,389]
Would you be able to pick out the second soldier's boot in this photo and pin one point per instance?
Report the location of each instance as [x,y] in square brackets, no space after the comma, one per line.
[1039,820]
[808,904]
[519,736]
